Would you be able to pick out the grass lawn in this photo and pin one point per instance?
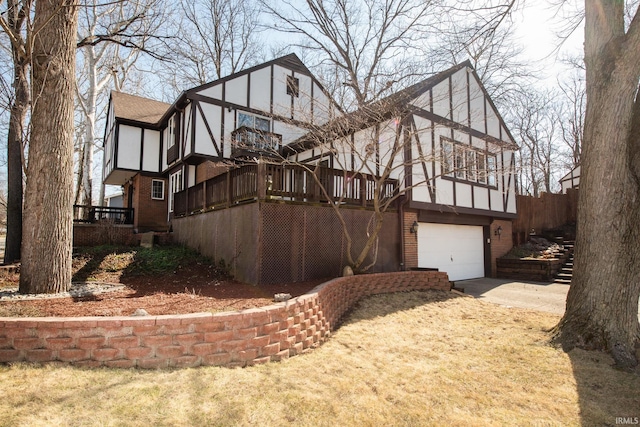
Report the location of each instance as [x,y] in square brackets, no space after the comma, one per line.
[420,358]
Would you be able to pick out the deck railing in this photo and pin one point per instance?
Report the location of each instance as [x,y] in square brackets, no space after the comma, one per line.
[92,214]
[281,182]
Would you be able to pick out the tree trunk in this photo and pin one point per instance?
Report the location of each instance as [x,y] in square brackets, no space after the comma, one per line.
[602,305]
[48,221]
[15,146]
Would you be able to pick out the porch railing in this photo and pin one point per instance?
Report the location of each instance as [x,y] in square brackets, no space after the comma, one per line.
[92,214]
[282,182]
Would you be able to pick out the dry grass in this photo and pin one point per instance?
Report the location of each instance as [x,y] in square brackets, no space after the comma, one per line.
[465,363]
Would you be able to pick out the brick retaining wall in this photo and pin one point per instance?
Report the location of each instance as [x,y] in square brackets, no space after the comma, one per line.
[231,339]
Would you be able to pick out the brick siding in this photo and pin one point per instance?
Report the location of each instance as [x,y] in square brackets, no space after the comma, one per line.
[232,339]
[502,244]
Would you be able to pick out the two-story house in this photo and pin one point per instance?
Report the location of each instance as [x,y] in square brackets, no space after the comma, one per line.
[235,167]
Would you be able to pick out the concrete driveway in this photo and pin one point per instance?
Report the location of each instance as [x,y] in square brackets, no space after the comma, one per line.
[548,297]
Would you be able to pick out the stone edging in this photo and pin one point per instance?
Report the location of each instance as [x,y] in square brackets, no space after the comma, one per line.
[232,339]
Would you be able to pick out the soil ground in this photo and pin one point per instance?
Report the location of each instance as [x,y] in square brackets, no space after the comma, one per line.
[194,285]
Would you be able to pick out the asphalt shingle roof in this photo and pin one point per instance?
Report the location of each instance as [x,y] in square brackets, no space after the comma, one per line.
[137,108]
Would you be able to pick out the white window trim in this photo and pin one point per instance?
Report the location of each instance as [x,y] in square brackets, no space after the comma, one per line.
[153,181]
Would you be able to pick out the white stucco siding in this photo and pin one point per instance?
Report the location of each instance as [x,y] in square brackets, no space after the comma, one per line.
[260,86]
[129,147]
[151,151]
[478,143]
[463,195]
[321,106]
[477,101]
[281,101]
[493,124]
[496,200]
[212,92]
[459,96]
[441,105]
[481,197]
[203,142]
[444,192]
[236,90]
[302,104]
[186,130]
[423,101]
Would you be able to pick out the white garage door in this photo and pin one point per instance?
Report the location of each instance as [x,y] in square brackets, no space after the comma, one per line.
[456,249]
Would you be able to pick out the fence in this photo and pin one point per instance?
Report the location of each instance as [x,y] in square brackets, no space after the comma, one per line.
[91,214]
[546,212]
[283,182]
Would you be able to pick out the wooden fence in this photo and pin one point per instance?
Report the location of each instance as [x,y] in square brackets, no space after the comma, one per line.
[546,212]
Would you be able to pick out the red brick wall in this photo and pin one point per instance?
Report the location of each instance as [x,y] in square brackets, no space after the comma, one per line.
[502,244]
[149,214]
[231,339]
[102,234]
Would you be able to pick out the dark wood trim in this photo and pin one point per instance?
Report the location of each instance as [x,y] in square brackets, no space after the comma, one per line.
[116,145]
[504,193]
[293,76]
[459,210]
[407,153]
[138,124]
[192,119]
[450,218]
[197,158]
[248,89]
[141,148]
[206,125]
[223,108]
[486,235]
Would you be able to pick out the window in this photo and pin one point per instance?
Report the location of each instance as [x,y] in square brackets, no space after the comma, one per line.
[471,165]
[171,132]
[175,186]
[466,163]
[447,158]
[293,86]
[482,168]
[157,189]
[458,162]
[254,122]
[491,171]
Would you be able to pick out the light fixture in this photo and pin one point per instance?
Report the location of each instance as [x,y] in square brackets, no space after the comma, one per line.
[414,227]
[498,231]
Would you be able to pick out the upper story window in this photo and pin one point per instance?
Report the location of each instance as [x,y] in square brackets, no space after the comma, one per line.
[254,122]
[293,86]
[465,163]
[171,132]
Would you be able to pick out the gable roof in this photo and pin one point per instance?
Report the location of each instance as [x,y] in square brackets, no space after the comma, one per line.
[382,109]
[137,109]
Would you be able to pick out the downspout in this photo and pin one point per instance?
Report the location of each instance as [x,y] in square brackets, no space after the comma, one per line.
[403,201]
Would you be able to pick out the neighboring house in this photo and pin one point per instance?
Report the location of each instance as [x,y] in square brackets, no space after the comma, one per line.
[114,200]
[192,166]
[571,180]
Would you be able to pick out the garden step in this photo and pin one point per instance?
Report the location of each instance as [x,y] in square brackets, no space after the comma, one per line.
[563,281]
[564,276]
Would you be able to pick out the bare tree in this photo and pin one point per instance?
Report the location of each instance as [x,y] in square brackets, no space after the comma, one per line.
[48,223]
[602,304]
[16,24]
[572,117]
[215,38]
[370,46]
[535,122]
[111,37]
